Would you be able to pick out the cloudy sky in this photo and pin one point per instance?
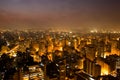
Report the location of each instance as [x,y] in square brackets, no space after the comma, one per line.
[60,14]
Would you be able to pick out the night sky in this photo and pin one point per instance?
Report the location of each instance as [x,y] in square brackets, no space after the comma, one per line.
[60,14]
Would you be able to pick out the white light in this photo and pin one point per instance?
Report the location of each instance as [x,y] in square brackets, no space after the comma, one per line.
[68,67]
[91,79]
[92,31]
[42,64]
[69,43]
[70,32]
[8,43]
[57,65]
[14,55]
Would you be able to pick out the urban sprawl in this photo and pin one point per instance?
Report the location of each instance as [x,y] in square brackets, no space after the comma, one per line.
[47,55]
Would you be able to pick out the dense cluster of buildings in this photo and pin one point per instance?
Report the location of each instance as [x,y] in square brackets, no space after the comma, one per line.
[45,55]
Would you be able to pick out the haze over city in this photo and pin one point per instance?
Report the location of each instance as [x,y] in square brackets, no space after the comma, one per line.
[60,14]
[59,39]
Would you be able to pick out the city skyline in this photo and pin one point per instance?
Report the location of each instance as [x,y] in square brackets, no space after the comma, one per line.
[64,14]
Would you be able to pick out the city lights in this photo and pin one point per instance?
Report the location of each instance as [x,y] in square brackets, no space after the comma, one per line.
[59,39]
[66,54]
